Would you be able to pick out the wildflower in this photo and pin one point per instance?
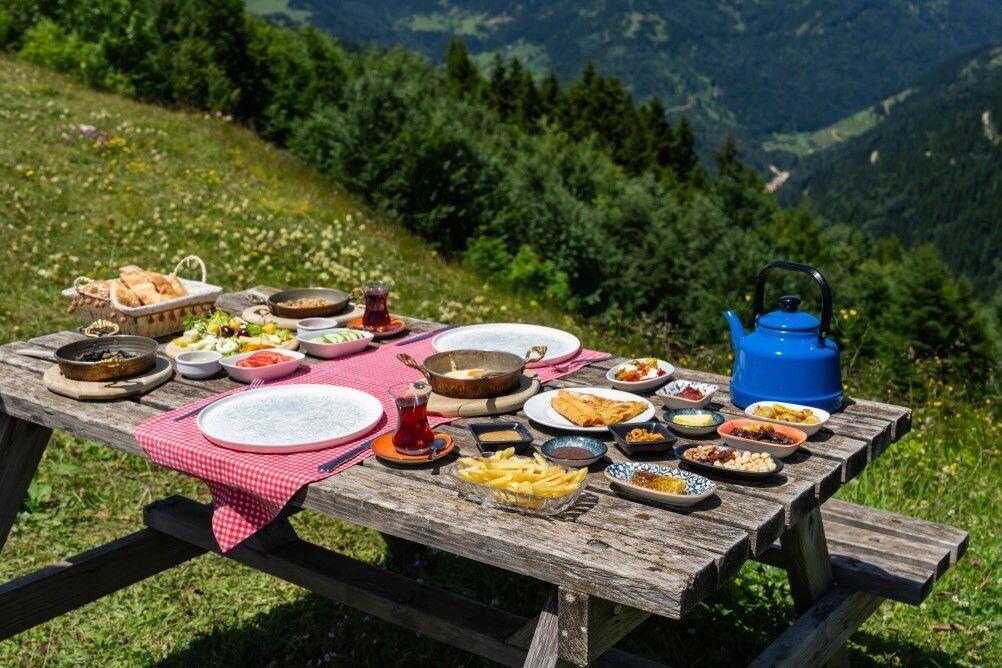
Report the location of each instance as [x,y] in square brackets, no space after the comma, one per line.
[937,404]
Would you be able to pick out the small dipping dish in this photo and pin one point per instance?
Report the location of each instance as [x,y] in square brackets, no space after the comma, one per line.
[494,436]
[307,325]
[573,451]
[199,363]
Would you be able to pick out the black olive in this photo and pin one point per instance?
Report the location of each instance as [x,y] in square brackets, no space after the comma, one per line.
[243,332]
[226,331]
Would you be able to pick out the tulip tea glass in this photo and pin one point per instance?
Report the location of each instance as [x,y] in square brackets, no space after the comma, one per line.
[413,435]
[376,317]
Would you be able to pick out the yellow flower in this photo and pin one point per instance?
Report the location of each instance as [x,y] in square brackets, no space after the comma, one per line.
[747,298]
[853,312]
[937,404]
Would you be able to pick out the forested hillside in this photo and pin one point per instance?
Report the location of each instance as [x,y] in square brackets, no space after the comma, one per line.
[755,68]
[929,172]
[556,205]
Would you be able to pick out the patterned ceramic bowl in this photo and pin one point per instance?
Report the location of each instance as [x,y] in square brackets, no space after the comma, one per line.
[668,394]
[697,487]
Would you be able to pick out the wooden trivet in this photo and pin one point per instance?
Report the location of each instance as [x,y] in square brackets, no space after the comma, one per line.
[508,403]
[84,390]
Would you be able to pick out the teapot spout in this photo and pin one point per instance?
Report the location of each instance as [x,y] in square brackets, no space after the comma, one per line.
[737,330]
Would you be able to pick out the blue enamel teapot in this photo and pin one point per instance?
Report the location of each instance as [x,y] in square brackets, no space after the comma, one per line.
[789,356]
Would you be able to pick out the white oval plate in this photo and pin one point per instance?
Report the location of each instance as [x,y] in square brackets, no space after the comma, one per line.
[332,350]
[640,385]
[290,418]
[513,338]
[538,409]
[809,429]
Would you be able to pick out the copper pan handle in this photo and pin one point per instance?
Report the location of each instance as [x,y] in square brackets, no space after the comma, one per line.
[540,351]
[413,363]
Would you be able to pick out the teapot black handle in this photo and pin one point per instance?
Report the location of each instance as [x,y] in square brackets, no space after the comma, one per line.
[826,292]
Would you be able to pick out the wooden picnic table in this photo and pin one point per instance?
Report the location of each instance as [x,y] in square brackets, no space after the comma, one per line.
[611,560]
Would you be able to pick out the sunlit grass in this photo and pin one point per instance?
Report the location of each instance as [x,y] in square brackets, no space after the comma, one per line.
[149,186]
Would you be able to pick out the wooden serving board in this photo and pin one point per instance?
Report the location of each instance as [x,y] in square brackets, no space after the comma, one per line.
[508,403]
[260,314]
[172,351]
[84,390]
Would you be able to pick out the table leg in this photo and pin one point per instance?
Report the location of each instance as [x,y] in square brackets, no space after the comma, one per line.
[808,566]
[21,446]
[575,629]
[405,555]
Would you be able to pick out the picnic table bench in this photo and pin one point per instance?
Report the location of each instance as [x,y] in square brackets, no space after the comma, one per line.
[611,560]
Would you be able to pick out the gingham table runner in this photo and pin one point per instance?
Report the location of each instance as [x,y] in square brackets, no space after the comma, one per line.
[249,490]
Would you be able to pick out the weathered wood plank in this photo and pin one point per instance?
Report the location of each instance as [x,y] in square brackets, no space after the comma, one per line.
[728,546]
[433,612]
[821,632]
[954,541]
[25,397]
[572,626]
[608,623]
[66,585]
[545,636]
[22,444]
[809,569]
[621,568]
[390,596]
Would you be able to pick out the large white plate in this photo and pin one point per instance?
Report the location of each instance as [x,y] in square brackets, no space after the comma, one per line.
[290,418]
[538,409]
[511,338]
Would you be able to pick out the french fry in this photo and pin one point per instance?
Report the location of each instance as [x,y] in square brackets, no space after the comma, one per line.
[531,476]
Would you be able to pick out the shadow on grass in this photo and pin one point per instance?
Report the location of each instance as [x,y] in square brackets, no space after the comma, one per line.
[732,627]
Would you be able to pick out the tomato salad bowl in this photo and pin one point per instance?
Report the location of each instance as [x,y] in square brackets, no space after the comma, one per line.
[268,364]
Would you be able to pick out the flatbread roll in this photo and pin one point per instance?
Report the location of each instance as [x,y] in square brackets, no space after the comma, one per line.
[590,410]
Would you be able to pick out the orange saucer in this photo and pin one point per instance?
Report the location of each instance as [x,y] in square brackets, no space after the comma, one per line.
[396,326]
[383,447]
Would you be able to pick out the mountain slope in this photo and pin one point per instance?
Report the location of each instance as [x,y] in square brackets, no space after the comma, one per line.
[763,67]
[931,172]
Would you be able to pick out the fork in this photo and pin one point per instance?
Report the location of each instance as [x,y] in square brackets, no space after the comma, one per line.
[254,384]
[566,366]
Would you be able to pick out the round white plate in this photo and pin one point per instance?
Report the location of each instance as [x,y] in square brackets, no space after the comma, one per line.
[511,338]
[290,418]
[538,409]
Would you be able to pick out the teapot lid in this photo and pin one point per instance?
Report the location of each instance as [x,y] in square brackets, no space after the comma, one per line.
[788,318]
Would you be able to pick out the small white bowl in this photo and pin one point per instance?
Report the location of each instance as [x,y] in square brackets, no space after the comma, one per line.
[270,372]
[640,385]
[809,429]
[332,350]
[198,364]
[666,394]
[314,325]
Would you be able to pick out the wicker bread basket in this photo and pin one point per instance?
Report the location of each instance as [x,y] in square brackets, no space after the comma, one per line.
[152,320]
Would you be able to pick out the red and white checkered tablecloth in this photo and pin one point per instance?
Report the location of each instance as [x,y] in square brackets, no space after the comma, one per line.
[249,490]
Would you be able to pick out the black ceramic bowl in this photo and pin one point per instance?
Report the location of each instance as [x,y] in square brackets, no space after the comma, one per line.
[720,470]
[481,428]
[619,432]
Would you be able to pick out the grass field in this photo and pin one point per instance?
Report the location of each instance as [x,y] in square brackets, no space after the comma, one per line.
[149,186]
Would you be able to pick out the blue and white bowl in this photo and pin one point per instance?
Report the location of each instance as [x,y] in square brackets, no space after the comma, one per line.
[686,430]
[697,487]
[667,394]
[592,445]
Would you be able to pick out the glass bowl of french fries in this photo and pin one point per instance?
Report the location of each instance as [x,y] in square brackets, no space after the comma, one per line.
[529,485]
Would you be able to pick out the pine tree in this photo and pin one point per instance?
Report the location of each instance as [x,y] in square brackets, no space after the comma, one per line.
[685,159]
[661,132]
[462,73]
[550,95]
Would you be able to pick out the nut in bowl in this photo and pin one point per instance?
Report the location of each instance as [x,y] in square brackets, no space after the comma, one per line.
[659,483]
[805,418]
[777,440]
[262,364]
[686,394]
[640,374]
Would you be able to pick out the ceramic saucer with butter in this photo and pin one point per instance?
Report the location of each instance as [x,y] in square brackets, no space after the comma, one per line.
[693,421]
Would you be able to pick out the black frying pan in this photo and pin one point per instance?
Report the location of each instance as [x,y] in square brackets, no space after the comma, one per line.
[338,300]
